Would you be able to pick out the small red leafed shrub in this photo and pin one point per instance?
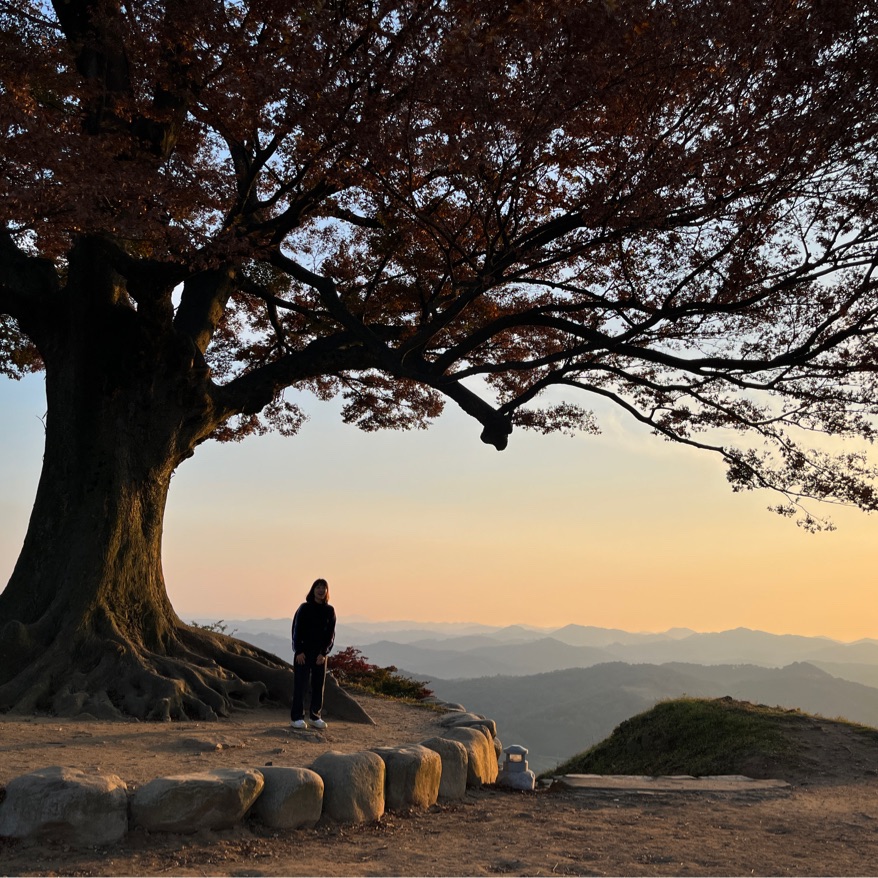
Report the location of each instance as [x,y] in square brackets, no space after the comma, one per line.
[351,668]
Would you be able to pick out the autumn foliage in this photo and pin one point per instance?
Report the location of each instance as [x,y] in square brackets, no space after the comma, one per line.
[351,668]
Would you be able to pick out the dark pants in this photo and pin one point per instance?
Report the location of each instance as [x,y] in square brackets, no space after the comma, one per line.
[301,675]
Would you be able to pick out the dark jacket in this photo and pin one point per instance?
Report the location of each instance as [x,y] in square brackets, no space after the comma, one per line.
[313,629]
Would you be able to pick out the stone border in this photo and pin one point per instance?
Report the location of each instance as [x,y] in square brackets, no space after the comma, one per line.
[84,809]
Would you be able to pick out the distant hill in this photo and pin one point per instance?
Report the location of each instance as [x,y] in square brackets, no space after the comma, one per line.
[475,658]
[578,646]
[743,645]
[588,635]
[437,659]
[857,672]
[462,651]
[560,713]
[465,650]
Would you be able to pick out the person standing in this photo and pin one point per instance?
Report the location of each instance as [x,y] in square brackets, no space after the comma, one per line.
[313,637]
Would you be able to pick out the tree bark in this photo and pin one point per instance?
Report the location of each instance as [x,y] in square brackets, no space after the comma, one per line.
[85,621]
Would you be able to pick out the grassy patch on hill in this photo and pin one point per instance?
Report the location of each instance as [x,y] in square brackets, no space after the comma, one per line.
[694,736]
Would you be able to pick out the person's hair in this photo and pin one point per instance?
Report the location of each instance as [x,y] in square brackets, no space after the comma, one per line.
[311,599]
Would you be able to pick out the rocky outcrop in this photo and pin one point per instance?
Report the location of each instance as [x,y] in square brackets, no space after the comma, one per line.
[470,721]
[445,705]
[456,717]
[498,749]
[67,805]
[481,760]
[452,783]
[189,802]
[339,705]
[292,798]
[412,776]
[353,786]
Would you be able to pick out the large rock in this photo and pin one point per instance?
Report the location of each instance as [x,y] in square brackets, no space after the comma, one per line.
[452,785]
[488,726]
[445,705]
[456,717]
[188,802]
[353,785]
[339,704]
[412,776]
[481,761]
[67,805]
[291,798]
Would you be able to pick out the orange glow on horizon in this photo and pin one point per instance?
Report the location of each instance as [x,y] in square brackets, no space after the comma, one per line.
[619,531]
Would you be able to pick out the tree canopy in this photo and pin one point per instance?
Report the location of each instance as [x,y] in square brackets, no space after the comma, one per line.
[515,206]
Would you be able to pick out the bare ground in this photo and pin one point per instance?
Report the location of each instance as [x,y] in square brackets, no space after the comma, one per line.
[825,823]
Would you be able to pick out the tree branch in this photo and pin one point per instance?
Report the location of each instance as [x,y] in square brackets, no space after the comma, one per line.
[330,355]
[28,284]
[203,304]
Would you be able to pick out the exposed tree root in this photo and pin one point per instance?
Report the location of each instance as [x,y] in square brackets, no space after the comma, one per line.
[200,675]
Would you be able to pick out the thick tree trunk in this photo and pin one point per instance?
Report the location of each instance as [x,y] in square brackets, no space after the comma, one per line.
[85,621]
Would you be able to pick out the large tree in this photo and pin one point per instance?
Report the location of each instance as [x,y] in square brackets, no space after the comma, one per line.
[515,206]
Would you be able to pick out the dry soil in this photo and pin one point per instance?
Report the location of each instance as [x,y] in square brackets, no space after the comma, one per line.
[824,823]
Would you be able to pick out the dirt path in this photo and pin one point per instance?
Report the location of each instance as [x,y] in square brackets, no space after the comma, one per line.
[825,823]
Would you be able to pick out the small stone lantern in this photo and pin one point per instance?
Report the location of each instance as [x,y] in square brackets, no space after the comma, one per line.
[514,771]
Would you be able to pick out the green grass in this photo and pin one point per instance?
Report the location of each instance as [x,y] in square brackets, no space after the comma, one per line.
[694,736]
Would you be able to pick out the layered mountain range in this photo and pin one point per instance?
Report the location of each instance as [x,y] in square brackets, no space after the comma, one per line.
[558,691]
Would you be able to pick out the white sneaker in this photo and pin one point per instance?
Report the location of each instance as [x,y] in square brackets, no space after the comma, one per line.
[317,724]
[298,724]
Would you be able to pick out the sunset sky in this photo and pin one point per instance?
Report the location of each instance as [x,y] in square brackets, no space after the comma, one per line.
[621,530]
